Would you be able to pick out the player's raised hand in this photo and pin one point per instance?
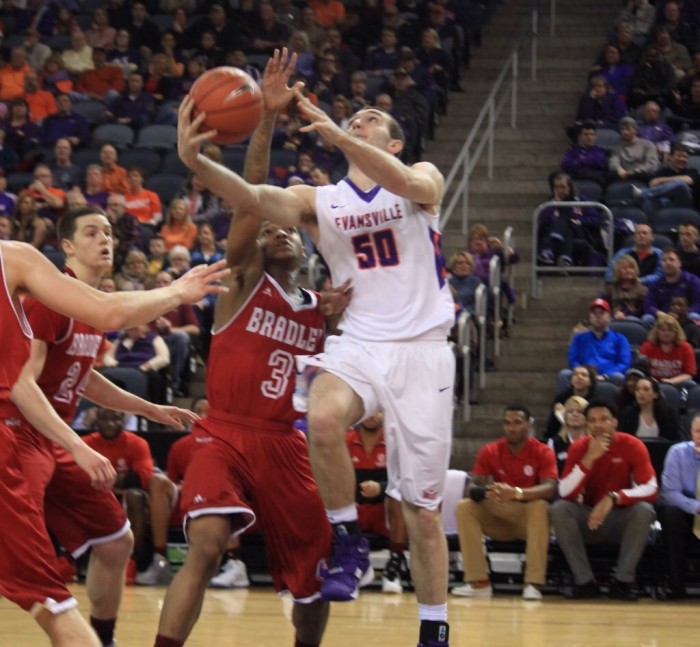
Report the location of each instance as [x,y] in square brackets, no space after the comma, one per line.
[200,281]
[98,468]
[319,121]
[189,139]
[172,417]
[276,93]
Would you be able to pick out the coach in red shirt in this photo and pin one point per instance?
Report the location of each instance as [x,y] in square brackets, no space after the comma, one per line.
[521,473]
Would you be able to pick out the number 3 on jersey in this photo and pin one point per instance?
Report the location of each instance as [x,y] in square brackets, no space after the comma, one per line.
[377,248]
[282,364]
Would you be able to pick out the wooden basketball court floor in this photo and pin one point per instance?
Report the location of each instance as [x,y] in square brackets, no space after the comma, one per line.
[258,618]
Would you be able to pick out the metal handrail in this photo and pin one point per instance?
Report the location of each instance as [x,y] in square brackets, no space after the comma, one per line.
[508,273]
[464,347]
[481,316]
[589,269]
[483,133]
[495,288]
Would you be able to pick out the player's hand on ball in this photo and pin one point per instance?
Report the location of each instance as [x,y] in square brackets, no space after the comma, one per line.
[98,468]
[276,93]
[189,140]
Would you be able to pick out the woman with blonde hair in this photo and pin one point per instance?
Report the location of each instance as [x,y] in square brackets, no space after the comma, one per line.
[625,293]
[671,357]
[178,228]
[573,428]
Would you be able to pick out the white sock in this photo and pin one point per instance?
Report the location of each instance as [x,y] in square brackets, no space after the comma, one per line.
[435,612]
[348,513]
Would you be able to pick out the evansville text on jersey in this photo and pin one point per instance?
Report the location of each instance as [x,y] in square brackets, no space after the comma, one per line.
[266,323]
[371,219]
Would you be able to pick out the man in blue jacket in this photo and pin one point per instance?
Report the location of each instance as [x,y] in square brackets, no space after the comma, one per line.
[607,350]
[674,282]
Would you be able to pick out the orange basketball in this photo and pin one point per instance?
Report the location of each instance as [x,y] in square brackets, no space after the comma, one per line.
[232,102]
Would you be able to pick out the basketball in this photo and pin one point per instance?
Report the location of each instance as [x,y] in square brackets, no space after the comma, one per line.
[232,102]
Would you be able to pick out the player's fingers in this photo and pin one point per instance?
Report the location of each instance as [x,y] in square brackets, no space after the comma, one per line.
[298,87]
[291,64]
[198,120]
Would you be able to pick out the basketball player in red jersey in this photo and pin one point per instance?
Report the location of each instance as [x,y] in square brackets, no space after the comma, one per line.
[26,575]
[255,468]
[60,365]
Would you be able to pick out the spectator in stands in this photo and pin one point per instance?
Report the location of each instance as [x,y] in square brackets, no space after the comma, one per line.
[653,79]
[607,350]
[679,310]
[451,41]
[226,32]
[94,191]
[66,175]
[507,502]
[30,226]
[675,54]
[635,158]
[147,494]
[119,13]
[206,249]
[21,135]
[124,223]
[65,124]
[673,282]
[686,109]
[201,203]
[180,261]
[6,228]
[626,394]
[207,52]
[135,107]
[573,427]
[328,13]
[600,104]
[141,202]
[35,51]
[179,328]
[320,176]
[157,257]
[607,488]
[654,130]
[78,57]
[383,58]
[681,505]
[55,77]
[41,102]
[163,87]
[7,200]
[647,256]
[300,45]
[583,383]
[639,15]
[100,34]
[626,292]
[679,29]
[614,71]
[584,160]
[174,57]
[674,185]
[328,81]
[347,61]
[123,55]
[630,52]
[411,106]
[671,357]
[178,228]
[317,34]
[144,32]
[568,235]
[463,281]
[688,249]
[8,157]
[114,177]
[235,58]
[49,199]
[12,75]
[378,511]
[650,416]
[103,82]
[65,23]
[134,272]
[270,34]
[435,59]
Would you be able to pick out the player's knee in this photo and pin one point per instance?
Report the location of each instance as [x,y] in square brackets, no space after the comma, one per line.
[323,427]
[116,551]
[204,555]
[160,485]
[135,499]
[425,523]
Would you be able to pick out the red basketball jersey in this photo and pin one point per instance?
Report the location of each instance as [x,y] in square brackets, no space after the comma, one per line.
[251,365]
[15,335]
[72,348]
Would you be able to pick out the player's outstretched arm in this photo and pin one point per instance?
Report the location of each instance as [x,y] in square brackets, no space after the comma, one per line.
[107,394]
[289,207]
[31,401]
[421,183]
[28,269]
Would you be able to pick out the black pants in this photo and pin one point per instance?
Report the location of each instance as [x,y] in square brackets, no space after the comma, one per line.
[678,539]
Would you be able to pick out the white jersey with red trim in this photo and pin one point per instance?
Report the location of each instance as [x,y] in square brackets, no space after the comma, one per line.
[390,248]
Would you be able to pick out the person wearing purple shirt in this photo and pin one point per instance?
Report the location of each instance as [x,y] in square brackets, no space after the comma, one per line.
[600,104]
[674,282]
[585,160]
[134,107]
[385,57]
[653,130]
[680,506]
[617,74]
[7,200]
[65,124]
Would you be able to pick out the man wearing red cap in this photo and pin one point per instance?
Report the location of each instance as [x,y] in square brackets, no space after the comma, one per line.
[607,350]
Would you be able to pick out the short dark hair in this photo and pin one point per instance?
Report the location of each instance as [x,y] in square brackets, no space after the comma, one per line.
[679,146]
[600,403]
[671,250]
[67,226]
[520,408]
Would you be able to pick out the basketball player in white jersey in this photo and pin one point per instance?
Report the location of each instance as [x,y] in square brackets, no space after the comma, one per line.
[378,229]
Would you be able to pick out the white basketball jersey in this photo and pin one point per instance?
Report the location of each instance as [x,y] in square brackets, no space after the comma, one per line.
[391,250]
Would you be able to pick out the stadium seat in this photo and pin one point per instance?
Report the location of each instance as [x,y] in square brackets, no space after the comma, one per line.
[634,214]
[694,398]
[86,156]
[606,391]
[149,161]
[59,42]
[120,136]
[173,164]
[669,219]
[93,111]
[619,192]
[166,185]
[234,158]
[283,157]
[163,21]
[18,181]
[635,332]
[672,395]
[589,190]
[694,162]
[607,138]
[157,137]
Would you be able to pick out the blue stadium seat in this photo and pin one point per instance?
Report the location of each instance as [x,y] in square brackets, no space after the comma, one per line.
[120,136]
[157,137]
[635,332]
[589,189]
[634,214]
[669,219]
[672,395]
[93,111]
[619,192]
[166,185]
[607,138]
